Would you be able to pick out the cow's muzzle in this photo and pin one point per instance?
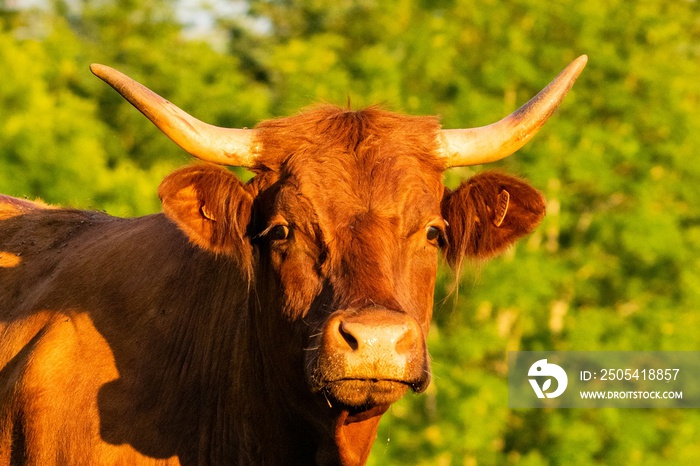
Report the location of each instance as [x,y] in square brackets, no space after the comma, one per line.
[368,357]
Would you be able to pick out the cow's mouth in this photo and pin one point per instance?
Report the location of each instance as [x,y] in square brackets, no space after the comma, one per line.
[364,393]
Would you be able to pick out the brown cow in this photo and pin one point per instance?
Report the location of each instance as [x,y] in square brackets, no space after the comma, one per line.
[266,323]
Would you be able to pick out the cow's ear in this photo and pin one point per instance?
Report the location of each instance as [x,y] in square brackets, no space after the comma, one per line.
[210,205]
[487,213]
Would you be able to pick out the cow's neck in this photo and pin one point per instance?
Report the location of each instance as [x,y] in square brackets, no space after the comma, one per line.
[353,437]
[220,366]
[174,359]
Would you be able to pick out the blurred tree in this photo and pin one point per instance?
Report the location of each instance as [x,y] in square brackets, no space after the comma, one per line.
[117,159]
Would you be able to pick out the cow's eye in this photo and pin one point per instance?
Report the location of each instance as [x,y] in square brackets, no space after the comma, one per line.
[279,232]
[433,234]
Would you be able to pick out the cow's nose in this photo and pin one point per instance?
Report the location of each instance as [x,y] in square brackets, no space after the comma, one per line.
[377,344]
[386,338]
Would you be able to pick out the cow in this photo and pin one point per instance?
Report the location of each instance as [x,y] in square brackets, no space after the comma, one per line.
[270,322]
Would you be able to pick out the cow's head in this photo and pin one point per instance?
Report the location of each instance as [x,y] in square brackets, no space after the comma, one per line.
[341,229]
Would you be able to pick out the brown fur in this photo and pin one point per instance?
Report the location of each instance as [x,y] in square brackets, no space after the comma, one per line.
[11,206]
[198,337]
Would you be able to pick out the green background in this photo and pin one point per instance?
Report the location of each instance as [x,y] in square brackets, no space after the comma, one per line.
[613,266]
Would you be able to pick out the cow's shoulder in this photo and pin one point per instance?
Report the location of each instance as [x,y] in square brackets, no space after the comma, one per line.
[34,242]
[53,369]
[52,349]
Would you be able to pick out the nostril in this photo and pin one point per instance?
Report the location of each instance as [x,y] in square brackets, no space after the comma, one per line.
[407,340]
[348,337]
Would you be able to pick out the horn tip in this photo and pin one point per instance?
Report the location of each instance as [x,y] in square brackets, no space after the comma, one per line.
[98,69]
[579,63]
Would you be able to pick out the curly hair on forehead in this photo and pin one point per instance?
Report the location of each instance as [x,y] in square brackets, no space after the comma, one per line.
[330,128]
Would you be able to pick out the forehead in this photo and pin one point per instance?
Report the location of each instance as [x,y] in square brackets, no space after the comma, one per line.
[349,164]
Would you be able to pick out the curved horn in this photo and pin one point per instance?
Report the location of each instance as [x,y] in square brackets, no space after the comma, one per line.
[223,146]
[474,146]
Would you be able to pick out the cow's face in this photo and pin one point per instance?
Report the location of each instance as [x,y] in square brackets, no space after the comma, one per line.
[344,228]
[351,228]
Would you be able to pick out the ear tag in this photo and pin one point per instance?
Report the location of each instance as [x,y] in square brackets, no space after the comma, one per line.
[501,208]
[206,213]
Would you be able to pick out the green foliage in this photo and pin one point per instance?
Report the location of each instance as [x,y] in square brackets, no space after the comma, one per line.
[612,267]
[73,139]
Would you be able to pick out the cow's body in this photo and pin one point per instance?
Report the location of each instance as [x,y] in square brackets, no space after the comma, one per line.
[101,349]
[266,323]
